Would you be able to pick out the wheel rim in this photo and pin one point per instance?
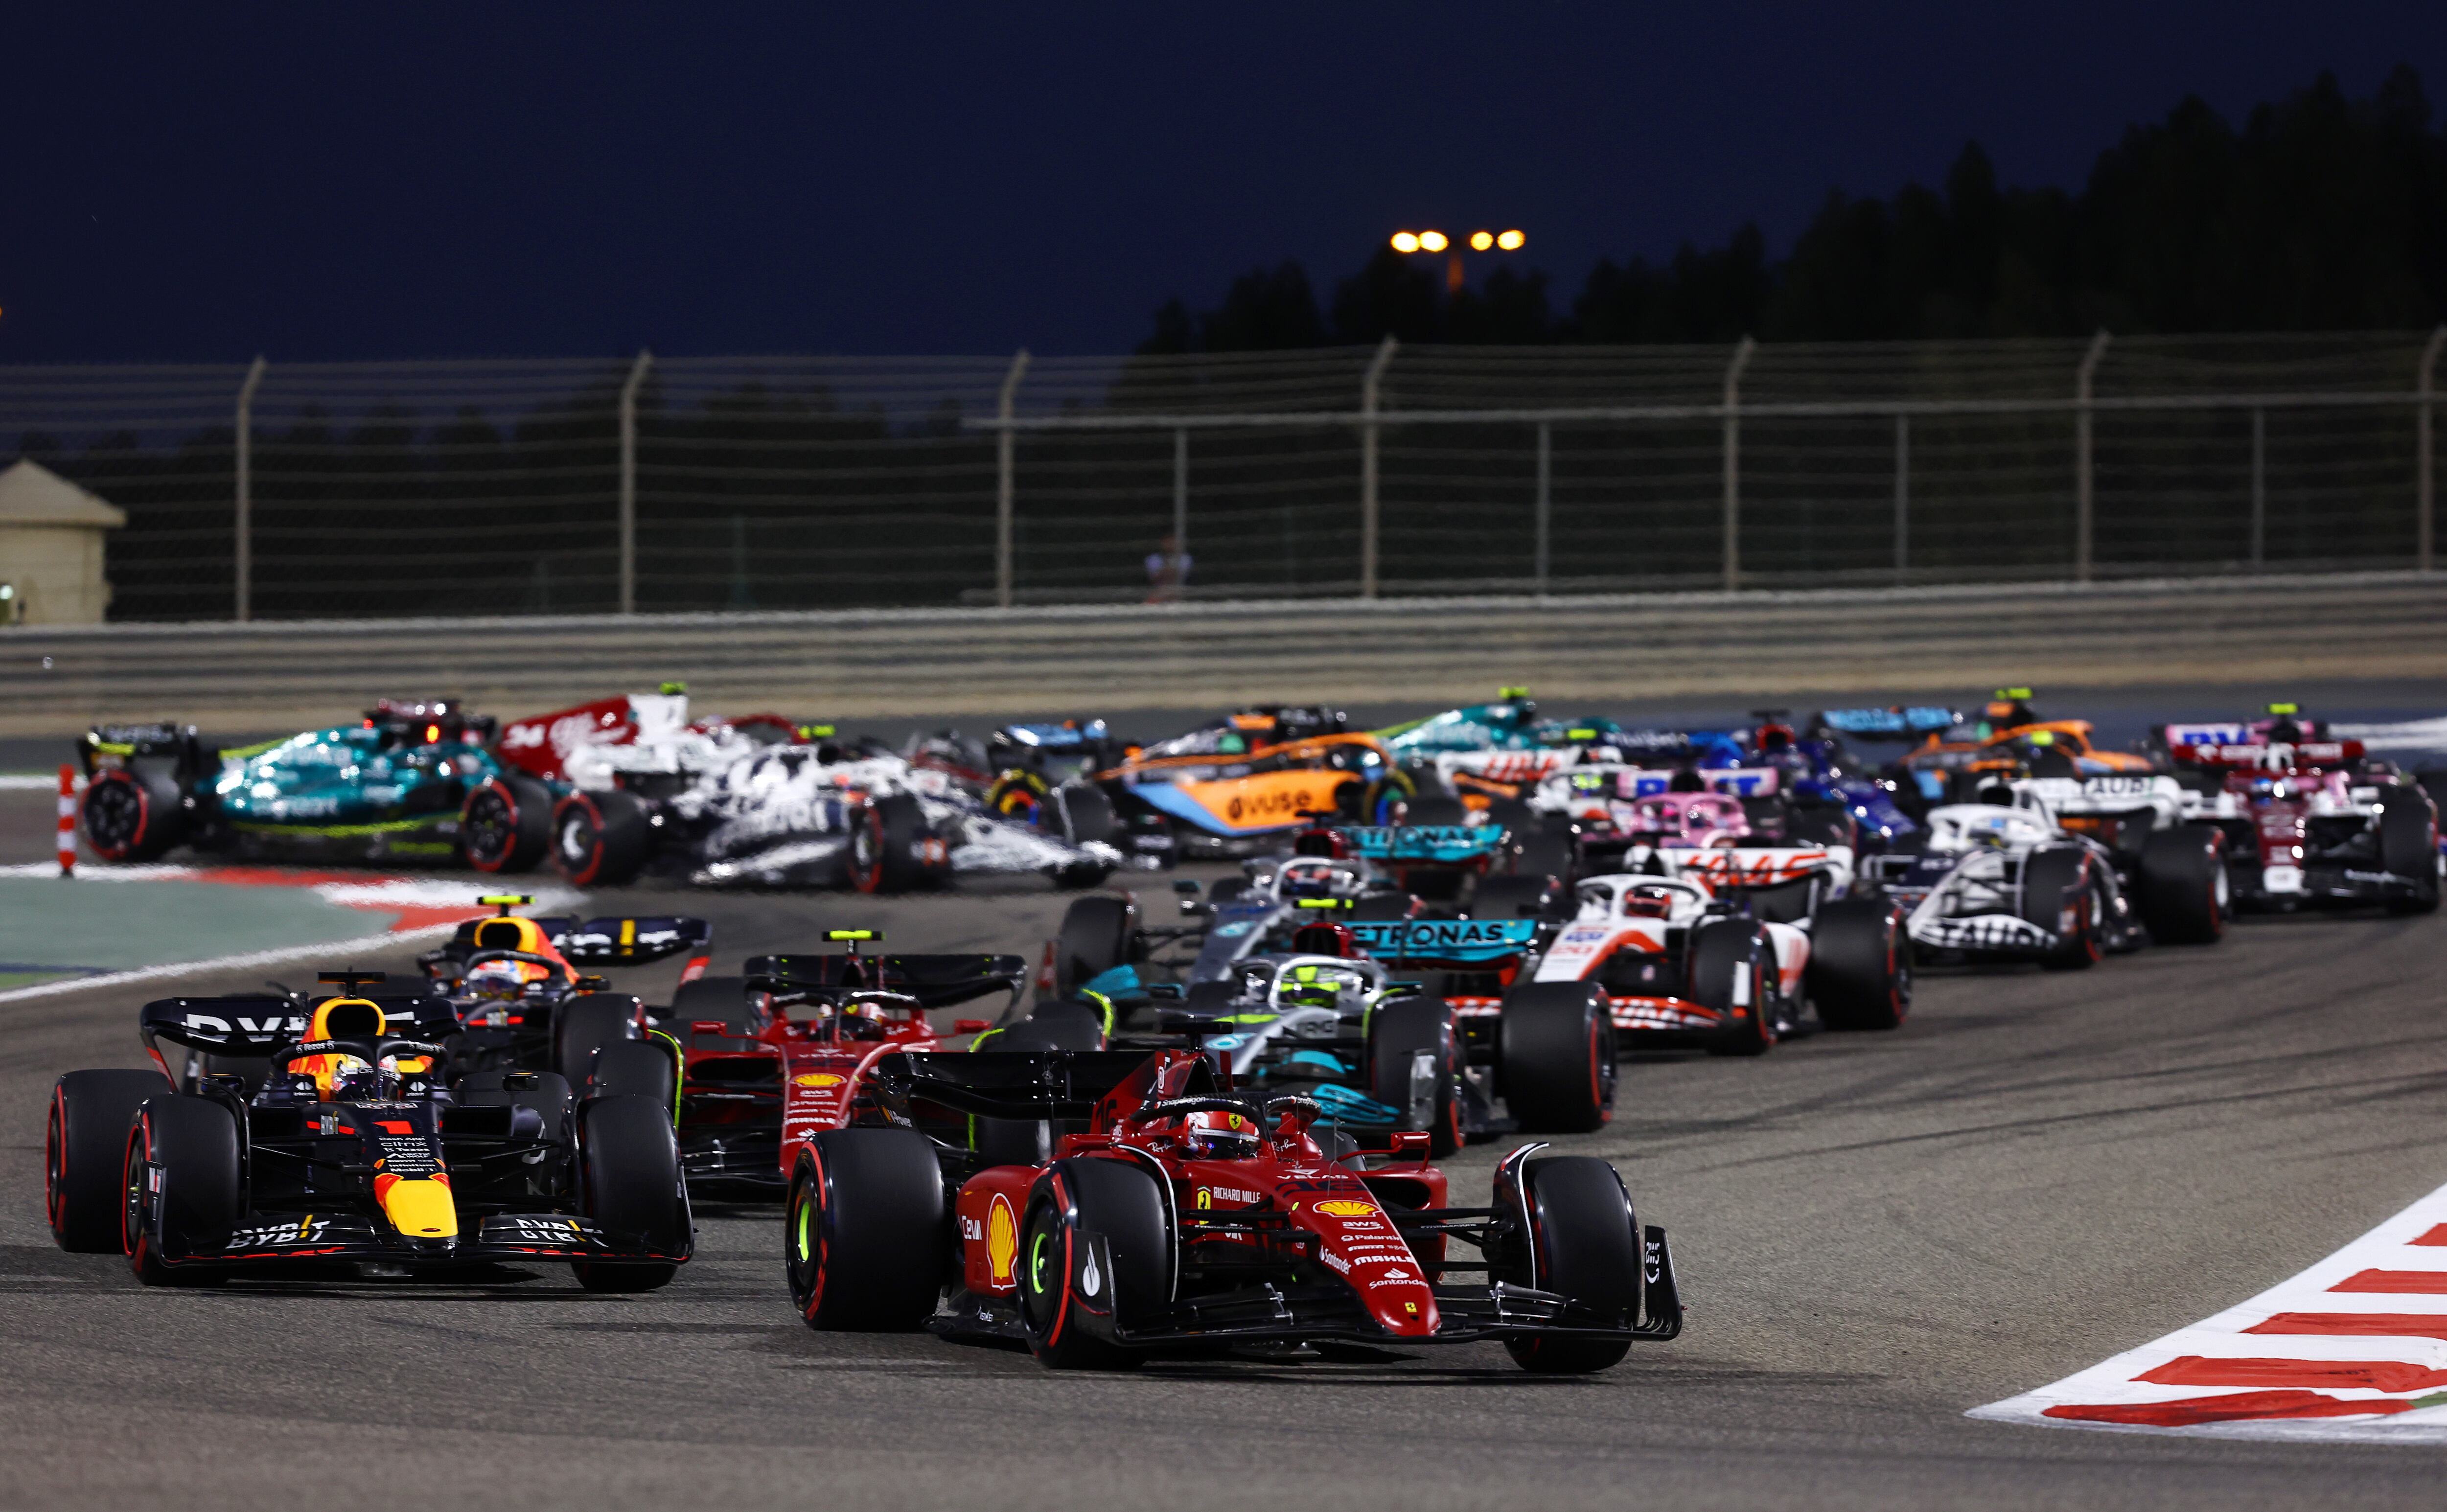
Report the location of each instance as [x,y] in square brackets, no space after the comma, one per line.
[56,1175]
[578,839]
[131,1223]
[114,815]
[488,828]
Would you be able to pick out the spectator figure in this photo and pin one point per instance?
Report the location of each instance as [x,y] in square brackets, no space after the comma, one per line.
[1168,570]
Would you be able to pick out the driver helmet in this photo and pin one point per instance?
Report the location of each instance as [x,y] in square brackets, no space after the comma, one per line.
[1687,780]
[1219,1136]
[501,981]
[1647,900]
[356,1080]
[2266,789]
[1326,940]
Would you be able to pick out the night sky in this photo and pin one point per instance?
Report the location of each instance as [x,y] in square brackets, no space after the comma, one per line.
[320,182]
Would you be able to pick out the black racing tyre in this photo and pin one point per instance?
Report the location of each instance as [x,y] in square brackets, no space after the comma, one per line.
[2408,846]
[1120,1200]
[2060,896]
[1096,935]
[2182,885]
[1547,853]
[195,1141]
[1514,814]
[1436,809]
[1397,1031]
[645,1068]
[891,848]
[1224,889]
[1860,964]
[713,997]
[546,1092]
[1584,1243]
[506,824]
[1723,952]
[1087,814]
[1067,1024]
[84,1149]
[1555,1056]
[1519,896]
[867,1241]
[602,840]
[629,1183]
[585,1024]
[1210,997]
[132,814]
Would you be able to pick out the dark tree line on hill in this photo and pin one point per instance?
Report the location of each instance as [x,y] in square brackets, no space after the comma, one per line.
[2321,213]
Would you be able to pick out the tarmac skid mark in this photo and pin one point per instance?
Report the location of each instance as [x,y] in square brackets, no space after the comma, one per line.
[2355,1347]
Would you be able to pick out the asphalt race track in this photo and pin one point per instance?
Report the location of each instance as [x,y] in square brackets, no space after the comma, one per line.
[1874,1234]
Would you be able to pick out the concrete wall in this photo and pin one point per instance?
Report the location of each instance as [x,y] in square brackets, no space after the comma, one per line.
[2284,631]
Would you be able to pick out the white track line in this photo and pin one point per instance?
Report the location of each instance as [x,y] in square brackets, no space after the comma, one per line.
[2354,1347]
[337,951]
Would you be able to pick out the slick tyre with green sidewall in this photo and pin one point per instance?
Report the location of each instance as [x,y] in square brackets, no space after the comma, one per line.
[865,1236]
[629,1183]
[1120,1200]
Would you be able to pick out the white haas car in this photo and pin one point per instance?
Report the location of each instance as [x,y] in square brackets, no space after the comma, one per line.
[763,802]
[1677,963]
[2006,881]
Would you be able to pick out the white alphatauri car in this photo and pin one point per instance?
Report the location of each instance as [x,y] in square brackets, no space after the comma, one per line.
[755,802]
[2017,880]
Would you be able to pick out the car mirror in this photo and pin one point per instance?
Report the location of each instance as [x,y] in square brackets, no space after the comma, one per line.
[971,1026]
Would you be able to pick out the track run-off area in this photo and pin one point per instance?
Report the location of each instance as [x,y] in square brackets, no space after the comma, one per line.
[1876,1235]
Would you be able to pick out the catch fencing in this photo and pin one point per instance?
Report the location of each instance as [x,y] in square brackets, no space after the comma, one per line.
[286,491]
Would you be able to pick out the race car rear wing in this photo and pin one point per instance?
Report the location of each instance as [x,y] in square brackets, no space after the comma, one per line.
[1424,844]
[1898,723]
[1457,943]
[1020,1084]
[2318,754]
[626,941]
[259,1023]
[935,981]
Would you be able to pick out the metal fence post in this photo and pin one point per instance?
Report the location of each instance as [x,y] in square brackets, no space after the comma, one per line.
[1181,493]
[1546,499]
[245,523]
[2259,487]
[1369,386]
[2424,480]
[1006,484]
[2082,482]
[1734,462]
[1903,495]
[629,479]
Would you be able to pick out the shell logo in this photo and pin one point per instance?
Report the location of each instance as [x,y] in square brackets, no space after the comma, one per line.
[817,1079]
[1002,1238]
[1344,1207]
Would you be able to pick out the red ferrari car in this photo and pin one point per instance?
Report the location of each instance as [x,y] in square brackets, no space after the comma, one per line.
[1182,1214]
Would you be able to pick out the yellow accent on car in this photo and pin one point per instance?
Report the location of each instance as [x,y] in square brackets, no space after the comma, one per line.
[422,1209]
